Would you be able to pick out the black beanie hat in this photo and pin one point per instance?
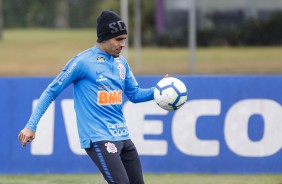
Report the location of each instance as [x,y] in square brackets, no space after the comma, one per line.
[109,25]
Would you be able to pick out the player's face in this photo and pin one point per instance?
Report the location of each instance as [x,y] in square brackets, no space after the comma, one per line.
[114,45]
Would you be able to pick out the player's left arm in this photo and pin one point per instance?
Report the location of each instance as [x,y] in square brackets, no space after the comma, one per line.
[133,91]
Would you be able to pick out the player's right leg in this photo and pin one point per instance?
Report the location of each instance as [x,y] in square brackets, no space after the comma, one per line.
[106,156]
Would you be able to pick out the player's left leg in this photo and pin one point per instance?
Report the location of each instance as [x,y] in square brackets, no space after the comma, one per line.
[132,164]
[106,156]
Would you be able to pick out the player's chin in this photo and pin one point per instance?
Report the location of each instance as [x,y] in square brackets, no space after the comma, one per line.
[116,55]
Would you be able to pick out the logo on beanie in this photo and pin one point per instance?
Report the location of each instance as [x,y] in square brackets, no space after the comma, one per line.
[117,26]
[109,25]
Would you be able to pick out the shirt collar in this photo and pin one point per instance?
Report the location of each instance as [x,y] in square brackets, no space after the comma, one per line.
[102,53]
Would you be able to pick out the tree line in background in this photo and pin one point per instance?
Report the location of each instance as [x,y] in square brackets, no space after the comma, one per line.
[68,13]
[82,14]
[1,19]
[251,32]
[228,28]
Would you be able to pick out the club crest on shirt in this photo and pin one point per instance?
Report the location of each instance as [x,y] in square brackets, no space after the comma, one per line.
[100,59]
[111,147]
[121,71]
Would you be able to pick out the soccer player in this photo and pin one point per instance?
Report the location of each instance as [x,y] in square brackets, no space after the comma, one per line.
[100,76]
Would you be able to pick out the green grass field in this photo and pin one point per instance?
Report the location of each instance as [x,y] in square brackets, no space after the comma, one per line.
[43,52]
[149,179]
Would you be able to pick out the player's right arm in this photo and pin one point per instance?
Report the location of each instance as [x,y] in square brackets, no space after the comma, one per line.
[26,135]
[70,73]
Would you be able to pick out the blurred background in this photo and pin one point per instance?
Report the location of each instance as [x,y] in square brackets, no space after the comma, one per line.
[175,37]
[206,38]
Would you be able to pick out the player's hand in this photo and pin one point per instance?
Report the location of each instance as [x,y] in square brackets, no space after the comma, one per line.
[26,135]
[166,75]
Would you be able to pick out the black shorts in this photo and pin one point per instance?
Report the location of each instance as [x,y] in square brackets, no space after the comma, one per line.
[118,161]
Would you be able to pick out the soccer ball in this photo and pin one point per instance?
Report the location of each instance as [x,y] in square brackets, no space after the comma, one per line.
[170,93]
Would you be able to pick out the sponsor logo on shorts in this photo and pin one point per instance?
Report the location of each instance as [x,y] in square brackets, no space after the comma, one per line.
[111,147]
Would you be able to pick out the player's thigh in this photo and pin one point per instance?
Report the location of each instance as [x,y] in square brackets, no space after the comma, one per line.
[106,155]
[132,163]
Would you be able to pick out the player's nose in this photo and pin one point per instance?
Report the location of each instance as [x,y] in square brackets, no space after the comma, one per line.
[122,44]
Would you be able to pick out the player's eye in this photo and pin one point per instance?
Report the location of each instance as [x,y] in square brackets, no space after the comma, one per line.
[120,39]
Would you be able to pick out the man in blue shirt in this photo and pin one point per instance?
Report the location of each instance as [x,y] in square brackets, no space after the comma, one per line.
[100,77]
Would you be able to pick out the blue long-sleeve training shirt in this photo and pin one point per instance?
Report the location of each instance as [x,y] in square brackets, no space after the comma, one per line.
[100,80]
